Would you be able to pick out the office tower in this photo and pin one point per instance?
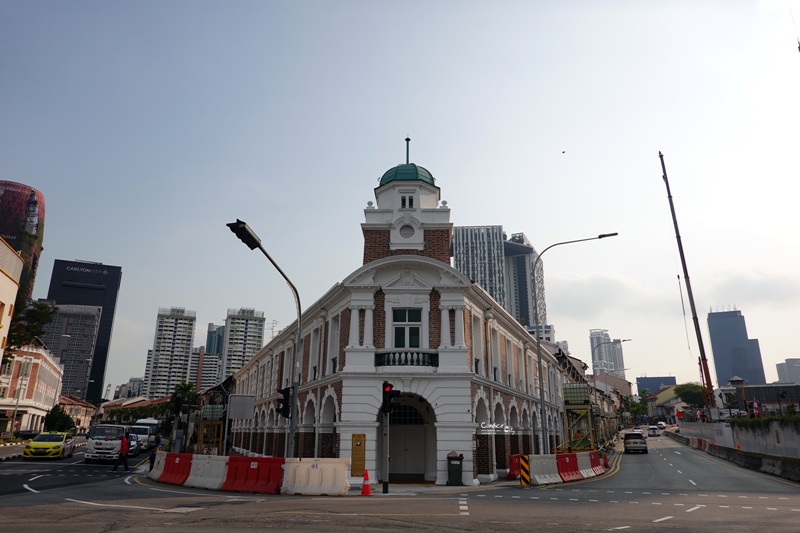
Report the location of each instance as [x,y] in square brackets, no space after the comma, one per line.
[654,384]
[606,354]
[93,284]
[22,227]
[734,353]
[789,371]
[169,362]
[503,267]
[215,338]
[72,338]
[244,337]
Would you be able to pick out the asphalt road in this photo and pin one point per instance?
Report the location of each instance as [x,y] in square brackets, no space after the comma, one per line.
[673,488]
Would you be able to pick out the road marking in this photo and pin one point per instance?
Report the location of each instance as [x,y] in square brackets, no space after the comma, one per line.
[662,519]
[679,504]
[573,499]
[696,507]
[36,477]
[692,482]
[655,503]
[128,480]
[724,506]
[680,472]
[620,527]
[173,510]
[722,495]
[30,489]
[743,496]
[746,507]
[772,508]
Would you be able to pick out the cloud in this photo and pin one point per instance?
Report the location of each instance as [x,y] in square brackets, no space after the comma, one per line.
[743,290]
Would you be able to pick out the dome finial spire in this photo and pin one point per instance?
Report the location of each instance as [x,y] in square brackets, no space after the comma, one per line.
[408,142]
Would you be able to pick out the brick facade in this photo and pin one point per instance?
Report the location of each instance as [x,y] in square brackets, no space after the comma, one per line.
[436,245]
[379,321]
[435,320]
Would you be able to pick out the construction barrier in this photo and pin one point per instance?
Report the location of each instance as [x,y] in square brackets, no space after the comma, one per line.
[513,469]
[568,467]
[177,467]
[594,460]
[207,472]
[544,469]
[158,467]
[316,477]
[524,470]
[263,475]
[585,465]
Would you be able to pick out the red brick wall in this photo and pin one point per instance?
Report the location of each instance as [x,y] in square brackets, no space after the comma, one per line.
[452,315]
[379,321]
[436,245]
[435,320]
[483,454]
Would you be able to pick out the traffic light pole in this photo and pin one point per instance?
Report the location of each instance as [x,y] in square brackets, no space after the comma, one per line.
[386,454]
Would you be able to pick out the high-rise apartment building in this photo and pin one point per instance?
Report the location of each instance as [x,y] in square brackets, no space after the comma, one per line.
[169,362]
[503,267]
[789,371]
[22,227]
[244,337]
[734,353]
[606,353]
[72,337]
[654,384]
[92,284]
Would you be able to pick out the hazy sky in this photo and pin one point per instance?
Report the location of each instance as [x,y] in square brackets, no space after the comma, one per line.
[150,125]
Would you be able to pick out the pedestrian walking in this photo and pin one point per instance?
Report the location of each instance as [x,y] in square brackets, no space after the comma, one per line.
[156,447]
[122,458]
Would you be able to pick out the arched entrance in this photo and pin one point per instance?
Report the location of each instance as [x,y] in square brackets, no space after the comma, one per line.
[412,441]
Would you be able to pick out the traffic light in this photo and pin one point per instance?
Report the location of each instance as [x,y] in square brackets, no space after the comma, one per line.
[286,402]
[389,394]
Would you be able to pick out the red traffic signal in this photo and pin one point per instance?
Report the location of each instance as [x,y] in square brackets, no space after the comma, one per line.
[389,394]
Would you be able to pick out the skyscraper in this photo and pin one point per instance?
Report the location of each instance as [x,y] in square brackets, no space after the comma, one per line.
[504,267]
[170,361]
[244,337]
[22,227]
[789,371]
[93,284]
[72,337]
[606,354]
[734,353]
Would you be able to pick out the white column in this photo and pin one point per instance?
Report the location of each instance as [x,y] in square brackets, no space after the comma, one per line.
[353,327]
[460,327]
[368,325]
[445,328]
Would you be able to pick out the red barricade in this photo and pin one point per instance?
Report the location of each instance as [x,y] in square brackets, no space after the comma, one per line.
[594,459]
[263,475]
[177,467]
[568,467]
[513,470]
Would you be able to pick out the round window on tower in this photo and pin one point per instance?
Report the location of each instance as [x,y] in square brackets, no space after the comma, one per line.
[406,232]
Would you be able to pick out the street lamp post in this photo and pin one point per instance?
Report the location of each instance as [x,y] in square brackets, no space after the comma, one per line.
[542,411]
[248,236]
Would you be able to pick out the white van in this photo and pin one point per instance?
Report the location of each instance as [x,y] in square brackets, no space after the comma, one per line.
[147,429]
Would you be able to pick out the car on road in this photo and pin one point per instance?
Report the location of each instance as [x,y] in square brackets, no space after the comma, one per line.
[634,441]
[50,445]
[134,445]
[653,431]
[641,432]
[662,425]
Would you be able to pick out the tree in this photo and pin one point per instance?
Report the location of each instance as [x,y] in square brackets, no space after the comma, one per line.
[690,393]
[58,420]
[27,324]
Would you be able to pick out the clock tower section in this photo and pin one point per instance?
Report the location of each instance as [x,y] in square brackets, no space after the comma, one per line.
[409,218]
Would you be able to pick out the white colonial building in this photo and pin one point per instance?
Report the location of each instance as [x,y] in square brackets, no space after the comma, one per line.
[467,370]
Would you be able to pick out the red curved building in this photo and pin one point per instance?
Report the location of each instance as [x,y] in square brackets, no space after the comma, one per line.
[22,227]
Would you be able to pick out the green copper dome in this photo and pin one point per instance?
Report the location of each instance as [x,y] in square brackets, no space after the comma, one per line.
[407,172]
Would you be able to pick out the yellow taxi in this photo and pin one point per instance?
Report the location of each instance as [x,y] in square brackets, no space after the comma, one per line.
[52,444]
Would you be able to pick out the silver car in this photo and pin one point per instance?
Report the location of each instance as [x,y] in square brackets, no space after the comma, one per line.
[135,445]
[634,442]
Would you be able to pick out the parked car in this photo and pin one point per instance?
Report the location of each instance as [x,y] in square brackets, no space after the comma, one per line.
[26,434]
[53,444]
[634,442]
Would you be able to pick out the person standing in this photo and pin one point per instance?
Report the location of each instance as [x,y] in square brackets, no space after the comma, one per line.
[156,447]
[122,458]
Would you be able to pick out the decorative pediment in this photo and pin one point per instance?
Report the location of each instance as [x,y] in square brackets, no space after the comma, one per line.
[407,280]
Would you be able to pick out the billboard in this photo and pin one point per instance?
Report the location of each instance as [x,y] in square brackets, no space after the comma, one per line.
[22,227]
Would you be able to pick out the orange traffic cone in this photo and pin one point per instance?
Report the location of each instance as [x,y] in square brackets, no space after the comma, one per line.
[366,489]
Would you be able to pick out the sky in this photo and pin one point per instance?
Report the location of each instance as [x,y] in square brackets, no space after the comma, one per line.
[150,125]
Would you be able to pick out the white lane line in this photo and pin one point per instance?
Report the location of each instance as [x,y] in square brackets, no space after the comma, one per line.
[30,489]
[128,480]
[173,510]
[724,506]
[662,519]
[746,507]
[772,508]
[680,472]
[36,477]
[692,482]
[463,508]
[696,507]
[463,513]
[620,527]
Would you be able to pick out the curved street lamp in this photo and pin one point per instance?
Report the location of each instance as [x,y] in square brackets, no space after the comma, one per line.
[542,411]
[248,236]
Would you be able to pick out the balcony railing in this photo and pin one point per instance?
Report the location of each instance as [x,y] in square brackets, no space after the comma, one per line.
[407,358]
